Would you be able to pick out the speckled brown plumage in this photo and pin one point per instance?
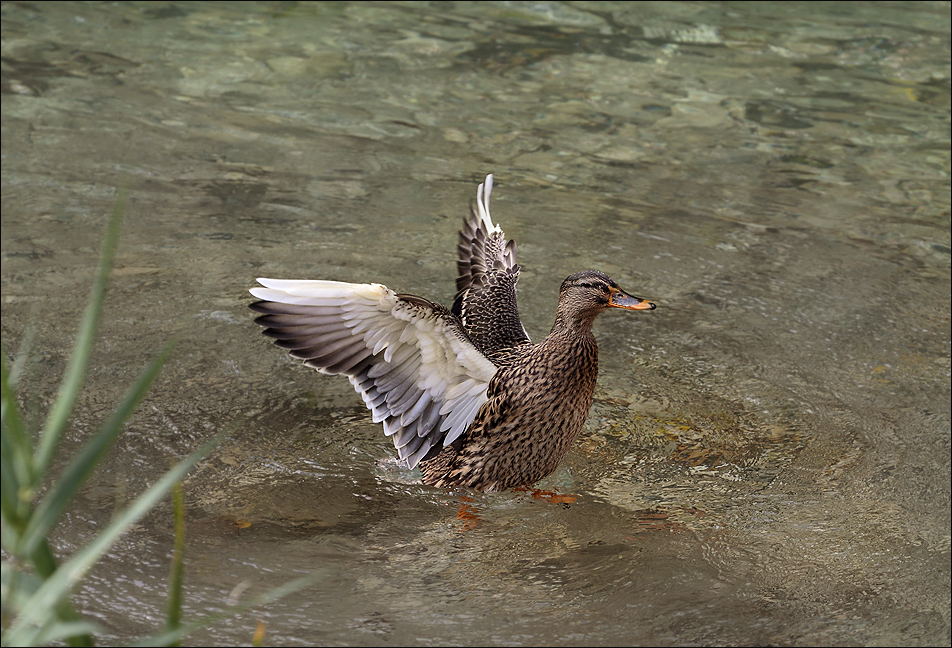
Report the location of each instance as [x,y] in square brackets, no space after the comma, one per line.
[463,392]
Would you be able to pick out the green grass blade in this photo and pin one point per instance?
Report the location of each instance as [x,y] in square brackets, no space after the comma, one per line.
[9,536]
[10,412]
[37,615]
[84,463]
[79,359]
[63,631]
[17,447]
[13,518]
[16,586]
[173,615]
[23,354]
[45,564]
[18,590]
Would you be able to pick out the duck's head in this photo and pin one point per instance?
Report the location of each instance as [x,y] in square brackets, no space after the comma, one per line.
[584,295]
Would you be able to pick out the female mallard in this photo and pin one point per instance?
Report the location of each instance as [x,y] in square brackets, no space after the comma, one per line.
[463,392]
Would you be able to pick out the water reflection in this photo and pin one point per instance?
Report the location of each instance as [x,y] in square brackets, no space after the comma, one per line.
[767,457]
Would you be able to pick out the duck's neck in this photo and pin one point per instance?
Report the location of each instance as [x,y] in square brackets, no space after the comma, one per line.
[573,323]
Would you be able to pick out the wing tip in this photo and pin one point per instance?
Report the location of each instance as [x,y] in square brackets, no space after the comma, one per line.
[483,192]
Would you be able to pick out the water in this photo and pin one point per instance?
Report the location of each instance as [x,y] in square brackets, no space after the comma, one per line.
[767,459]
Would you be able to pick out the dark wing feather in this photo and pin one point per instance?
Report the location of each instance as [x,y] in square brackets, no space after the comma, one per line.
[486,286]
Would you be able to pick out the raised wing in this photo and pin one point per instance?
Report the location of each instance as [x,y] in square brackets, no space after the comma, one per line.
[486,287]
[407,357]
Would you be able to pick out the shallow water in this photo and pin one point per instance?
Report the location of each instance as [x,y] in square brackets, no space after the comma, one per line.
[767,460]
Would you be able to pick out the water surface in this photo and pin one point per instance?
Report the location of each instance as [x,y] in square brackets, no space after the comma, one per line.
[767,460]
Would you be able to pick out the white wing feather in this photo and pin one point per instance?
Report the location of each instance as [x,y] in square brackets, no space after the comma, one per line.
[414,367]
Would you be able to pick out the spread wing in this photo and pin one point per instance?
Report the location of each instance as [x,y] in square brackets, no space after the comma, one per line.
[409,358]
[486,286]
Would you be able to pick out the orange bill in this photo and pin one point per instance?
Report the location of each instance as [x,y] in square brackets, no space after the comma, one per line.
[620,299]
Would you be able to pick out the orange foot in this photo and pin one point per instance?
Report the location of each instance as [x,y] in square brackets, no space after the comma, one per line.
[468,514]
[550,496]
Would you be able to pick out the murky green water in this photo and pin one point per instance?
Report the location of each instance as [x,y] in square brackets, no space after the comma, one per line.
[767,460]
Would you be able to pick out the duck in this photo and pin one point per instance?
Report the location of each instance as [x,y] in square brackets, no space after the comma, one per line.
[463,392]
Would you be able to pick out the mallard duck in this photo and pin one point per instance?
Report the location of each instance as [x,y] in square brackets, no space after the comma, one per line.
[463,392]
